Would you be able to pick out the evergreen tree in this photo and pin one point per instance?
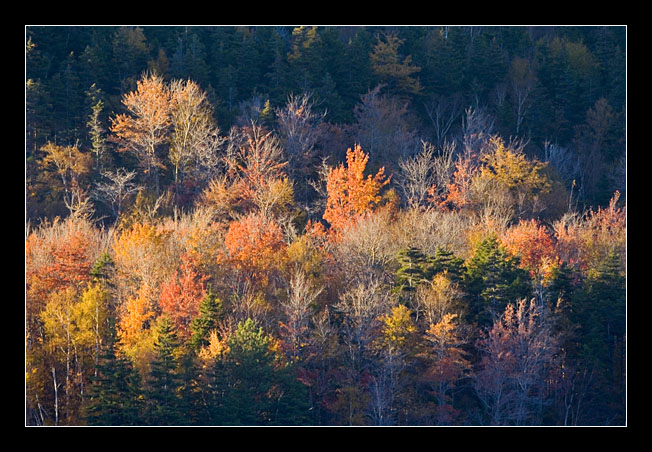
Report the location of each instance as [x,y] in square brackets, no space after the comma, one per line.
[259,390]
[113,397]
[600,314]
[210,312]
[164,405]
[413,269]
[493,279]
[417,267]
[445,261]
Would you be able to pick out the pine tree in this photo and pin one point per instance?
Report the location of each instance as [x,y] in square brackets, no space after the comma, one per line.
[210,312]
[413,269]
[260,389]
[493,279]
[113,397]
[598,309]
[445,261]
[164,406]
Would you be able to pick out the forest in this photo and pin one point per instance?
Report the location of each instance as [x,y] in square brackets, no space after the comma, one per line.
[325,226]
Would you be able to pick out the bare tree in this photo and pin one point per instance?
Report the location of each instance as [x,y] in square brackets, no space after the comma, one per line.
[382,128]
[478,127]
[297,309]
[417,176]
[115,192]
[367,248]
[298,129]
[361,307]
[195,140]
[443,111]
[518,356]
[522,78]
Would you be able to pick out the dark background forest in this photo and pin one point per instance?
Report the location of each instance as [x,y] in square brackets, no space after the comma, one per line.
[362,225]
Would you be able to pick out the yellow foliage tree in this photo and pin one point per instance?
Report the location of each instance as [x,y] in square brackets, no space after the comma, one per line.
[136,337]
[523,180]
[398,328]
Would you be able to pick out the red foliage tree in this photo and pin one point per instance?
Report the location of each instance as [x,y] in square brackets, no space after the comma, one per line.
[530,240]
[181,296]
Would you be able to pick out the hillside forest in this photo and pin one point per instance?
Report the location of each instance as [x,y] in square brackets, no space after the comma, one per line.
[325,226]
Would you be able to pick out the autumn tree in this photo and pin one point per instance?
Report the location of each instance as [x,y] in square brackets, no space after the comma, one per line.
[518,358]
[350,194]
[253,244]
[74,326]
[446,365]
[194,138]
[583,241]
[144,258]
[458,194]
[72,166]
[143,130]
[387,62]
[536,250]
[181,296]
[387,381]
[253,177]
[439,297]
[524,180]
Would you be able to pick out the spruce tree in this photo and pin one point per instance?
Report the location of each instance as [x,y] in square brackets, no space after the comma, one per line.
[412,270]
[493,279]
[164,404]
[260,390]
[445,261]
[113,397]
[210,312]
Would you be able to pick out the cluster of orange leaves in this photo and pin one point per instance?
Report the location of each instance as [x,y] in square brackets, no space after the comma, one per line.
[536,248]
[350,194]
[55,263]
[150,106]
[181,296]
[583,243]
[253,243]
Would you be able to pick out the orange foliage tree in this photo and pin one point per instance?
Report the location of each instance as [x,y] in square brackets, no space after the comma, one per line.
[585,241]
[143,260]
[56,257]
[447,364]
[181,296]
[458,191]
[536,248]
[145,128]
[253,243]
[350,194]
